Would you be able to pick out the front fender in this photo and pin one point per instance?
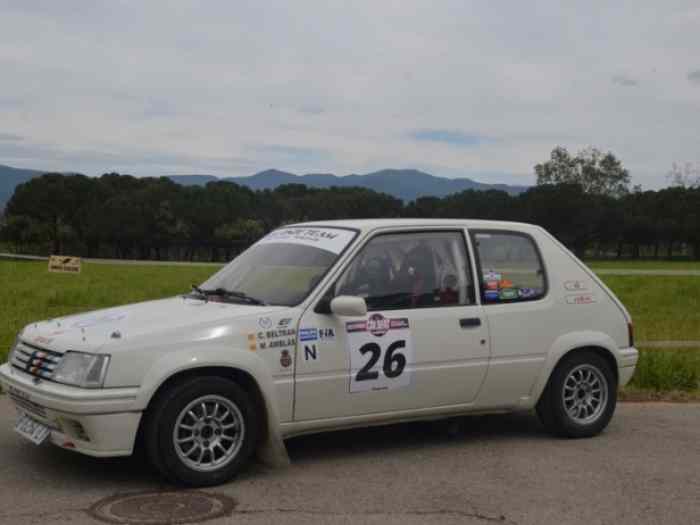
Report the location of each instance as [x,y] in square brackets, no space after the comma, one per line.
[565,344]
[272,451]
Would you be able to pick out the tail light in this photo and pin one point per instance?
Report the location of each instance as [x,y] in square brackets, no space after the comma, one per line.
[630,333]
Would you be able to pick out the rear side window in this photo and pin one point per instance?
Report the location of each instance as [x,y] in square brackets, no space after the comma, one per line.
[510,266]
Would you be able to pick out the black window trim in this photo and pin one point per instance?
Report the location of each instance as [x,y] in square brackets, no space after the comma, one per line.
[323,303]
[477,261]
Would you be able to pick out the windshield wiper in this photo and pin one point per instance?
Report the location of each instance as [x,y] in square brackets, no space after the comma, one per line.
[228,293]
[241,295]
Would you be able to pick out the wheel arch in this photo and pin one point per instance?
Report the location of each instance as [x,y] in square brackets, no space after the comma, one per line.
[241,377]
[603,352]
[271,448]
[565,346]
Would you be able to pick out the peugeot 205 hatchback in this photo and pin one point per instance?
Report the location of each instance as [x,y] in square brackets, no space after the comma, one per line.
[330,325]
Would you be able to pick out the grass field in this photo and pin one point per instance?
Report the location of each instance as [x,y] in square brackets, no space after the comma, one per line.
[30,293]
[644,265]
[668,370]
[668,375]
[663,307]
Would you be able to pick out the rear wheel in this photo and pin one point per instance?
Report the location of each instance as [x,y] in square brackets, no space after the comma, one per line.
[580,398]
[201,432]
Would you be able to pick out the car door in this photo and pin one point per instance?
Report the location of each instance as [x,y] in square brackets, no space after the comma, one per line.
[514,292]
[423,343]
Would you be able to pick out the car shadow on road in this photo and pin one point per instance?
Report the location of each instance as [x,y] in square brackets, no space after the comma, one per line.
[406,437]
[77,471]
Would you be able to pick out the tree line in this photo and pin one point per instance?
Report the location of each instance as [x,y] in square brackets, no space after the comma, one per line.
[584,200]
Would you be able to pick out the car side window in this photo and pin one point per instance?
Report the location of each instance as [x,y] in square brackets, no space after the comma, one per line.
[410,270]
[511,267]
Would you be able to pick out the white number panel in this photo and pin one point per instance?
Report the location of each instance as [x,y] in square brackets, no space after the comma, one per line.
[381,353]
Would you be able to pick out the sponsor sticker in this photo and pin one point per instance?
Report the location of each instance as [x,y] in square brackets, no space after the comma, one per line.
[582,298]
[492,276]
[252,343]
[308,334]
[326,333]
[508,294]
[93,320]
[491,295]
[329,239]
[378,325]
[492,285]
[527,293]
[575,286]
[265,322]
[356,326]
[274,337]
[398,324]
[505,283]
[285,359]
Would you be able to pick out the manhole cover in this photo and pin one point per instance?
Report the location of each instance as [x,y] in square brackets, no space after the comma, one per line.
[162,508]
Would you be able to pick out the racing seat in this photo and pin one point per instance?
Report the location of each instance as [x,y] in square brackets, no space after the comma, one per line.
[418,276]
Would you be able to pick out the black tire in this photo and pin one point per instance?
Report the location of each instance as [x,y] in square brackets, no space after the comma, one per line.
[163,415]
[551,407]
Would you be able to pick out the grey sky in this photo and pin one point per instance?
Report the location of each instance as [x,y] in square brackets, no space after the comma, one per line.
[479,89]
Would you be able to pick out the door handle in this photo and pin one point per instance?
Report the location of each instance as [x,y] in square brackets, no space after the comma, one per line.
[470,322]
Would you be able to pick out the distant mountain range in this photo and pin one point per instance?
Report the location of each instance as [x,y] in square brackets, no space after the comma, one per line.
[405,184]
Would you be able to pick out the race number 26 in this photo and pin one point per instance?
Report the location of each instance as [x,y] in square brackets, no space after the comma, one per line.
[393,365]
[381,353]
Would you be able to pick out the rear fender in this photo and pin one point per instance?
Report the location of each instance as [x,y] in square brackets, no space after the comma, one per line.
[568,343]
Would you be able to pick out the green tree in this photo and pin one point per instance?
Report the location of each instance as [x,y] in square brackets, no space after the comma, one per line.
[52,200]
[241,230]
[566,211]
[685,175]
[596,172]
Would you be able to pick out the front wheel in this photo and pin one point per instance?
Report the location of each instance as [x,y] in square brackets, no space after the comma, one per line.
[201,432]
[580,398]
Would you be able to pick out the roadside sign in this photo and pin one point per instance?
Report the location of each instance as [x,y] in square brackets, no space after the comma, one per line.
[64,264]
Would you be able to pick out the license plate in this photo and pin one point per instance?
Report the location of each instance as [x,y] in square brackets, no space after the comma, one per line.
[31,429]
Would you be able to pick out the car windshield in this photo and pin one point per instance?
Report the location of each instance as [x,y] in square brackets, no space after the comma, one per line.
[280,269]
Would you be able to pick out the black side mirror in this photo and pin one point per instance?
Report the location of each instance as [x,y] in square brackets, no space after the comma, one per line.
[324,305]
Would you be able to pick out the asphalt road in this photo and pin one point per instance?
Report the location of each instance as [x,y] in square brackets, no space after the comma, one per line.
[497,469]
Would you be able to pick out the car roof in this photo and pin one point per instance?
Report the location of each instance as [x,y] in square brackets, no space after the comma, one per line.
[365,225]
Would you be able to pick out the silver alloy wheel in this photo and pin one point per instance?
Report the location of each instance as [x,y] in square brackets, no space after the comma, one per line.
[208,433]
[585,394]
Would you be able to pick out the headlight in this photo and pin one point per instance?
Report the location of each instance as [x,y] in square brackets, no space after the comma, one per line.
[82,369]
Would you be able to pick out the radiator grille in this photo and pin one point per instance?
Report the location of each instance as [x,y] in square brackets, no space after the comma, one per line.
[36,361]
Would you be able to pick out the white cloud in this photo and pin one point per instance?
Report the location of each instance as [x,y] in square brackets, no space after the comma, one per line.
[232,88]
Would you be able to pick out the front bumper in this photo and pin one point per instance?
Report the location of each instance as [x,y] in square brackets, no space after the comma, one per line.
[101,422]
[626,363]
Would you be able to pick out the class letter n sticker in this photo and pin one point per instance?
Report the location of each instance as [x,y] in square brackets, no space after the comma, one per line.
[310,352]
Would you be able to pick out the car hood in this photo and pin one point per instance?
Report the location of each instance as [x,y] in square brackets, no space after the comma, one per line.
[102,330]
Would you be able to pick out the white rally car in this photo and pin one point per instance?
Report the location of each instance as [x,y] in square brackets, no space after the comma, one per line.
[322,326]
